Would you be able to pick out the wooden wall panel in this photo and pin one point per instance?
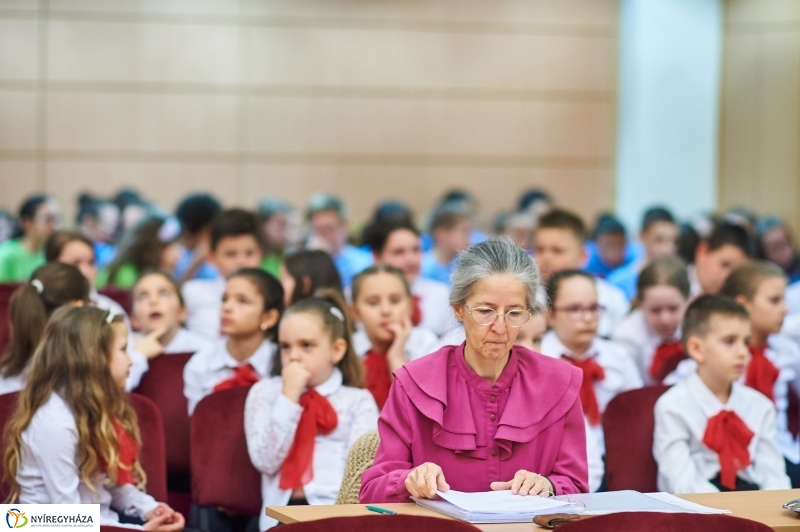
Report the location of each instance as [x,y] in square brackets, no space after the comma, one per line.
[760,120]
[370,99]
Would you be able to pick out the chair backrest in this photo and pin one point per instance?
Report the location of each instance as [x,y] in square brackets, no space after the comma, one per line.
[663,522]
[163,384]
[628,424]
[360,457]
[8,405]
[120,295]
[6,290]
[152,455]
[370,523]
[222,474]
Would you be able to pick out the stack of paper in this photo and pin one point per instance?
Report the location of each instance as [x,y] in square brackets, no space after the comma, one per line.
[503,507]
[494,506]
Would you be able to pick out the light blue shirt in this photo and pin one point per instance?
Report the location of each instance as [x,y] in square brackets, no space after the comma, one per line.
[433,269]
[350,262]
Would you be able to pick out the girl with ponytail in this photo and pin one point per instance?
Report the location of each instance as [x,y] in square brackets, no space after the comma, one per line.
[301,423]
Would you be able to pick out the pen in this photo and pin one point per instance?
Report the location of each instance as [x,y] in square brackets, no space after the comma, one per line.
[380,510]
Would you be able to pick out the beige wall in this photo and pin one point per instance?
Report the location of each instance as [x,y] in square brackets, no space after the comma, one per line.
[760,120]
[401,98]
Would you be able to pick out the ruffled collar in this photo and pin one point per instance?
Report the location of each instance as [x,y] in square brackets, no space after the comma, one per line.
[540,392]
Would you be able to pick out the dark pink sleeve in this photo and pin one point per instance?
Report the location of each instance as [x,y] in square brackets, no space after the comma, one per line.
[570,471]
[384,481]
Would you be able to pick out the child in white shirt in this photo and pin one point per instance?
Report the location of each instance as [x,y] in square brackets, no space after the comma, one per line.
[158,312]
[251,308]
[235,244]
[573,317]
[313,402]
[711,432]
[74,437]
[651,333]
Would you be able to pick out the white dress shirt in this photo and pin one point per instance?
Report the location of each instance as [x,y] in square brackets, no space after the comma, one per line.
[695,289]
[612,299]
[685,464]
[270,422]
[203,300]
[420,342]
[620,372]
[784,354]
[12,384]
[434,302]
[48,471]
[594,459]
[140,364]
[209,367]
[635,335]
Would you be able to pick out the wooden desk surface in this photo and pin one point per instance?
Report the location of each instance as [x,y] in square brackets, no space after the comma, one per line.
[761,506]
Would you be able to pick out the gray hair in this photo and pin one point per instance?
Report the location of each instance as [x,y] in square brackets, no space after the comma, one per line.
[496,256]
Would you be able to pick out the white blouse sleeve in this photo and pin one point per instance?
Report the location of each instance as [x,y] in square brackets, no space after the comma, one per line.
[768,463]
[269,426]
[365,417]
[671,450]
[128,499]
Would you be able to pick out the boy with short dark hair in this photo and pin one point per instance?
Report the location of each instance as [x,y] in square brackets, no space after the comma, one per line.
[726,248]
[195,213]
[235,241]
[713,433]
[559,245]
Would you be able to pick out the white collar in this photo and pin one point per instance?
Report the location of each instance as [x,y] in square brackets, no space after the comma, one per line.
[260,360]
[330,386]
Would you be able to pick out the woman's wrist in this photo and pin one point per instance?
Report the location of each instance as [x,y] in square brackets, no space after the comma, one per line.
[552,486]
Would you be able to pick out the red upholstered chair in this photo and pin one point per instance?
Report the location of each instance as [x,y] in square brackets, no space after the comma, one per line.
[8,405]
[628,424]
[152,454]
[222,474]
[648,521]
[120,295]
[6,290]
[163,384]
[392,523]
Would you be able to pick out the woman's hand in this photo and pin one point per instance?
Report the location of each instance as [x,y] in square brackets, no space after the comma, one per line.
[163,519]
[526,483]
[396,355]
[295,379]
[423,481]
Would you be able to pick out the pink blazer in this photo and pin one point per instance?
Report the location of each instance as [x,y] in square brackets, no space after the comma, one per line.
[439,410]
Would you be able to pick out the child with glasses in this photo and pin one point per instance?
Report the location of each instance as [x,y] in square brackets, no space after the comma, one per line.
[608,369]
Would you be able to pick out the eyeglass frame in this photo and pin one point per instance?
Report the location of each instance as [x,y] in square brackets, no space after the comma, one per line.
[496,314]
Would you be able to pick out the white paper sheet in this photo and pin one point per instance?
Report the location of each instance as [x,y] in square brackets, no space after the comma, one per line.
[500,502]
[687,505]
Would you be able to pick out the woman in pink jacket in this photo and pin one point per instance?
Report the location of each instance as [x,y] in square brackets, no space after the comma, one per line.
[485,415]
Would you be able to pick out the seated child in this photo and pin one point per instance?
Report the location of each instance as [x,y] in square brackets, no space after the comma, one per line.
[774,368]
[711,432]
[235,244]
[251,307]
[301,423]
[608,369]
[382,304]
[51,287]
[74,438]
[727,247]
[651,333]
[559,245]
[158,313]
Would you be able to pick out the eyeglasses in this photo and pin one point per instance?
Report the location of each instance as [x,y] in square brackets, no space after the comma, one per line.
[487,316]
[576,312]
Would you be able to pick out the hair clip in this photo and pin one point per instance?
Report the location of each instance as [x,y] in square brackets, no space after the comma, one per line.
[37,284]
[338,313]
[110,317]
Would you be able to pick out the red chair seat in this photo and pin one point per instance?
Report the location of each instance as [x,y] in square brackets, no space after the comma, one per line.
[120,295]
[648,521]
[222,474]
[152,455]
[628,424]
